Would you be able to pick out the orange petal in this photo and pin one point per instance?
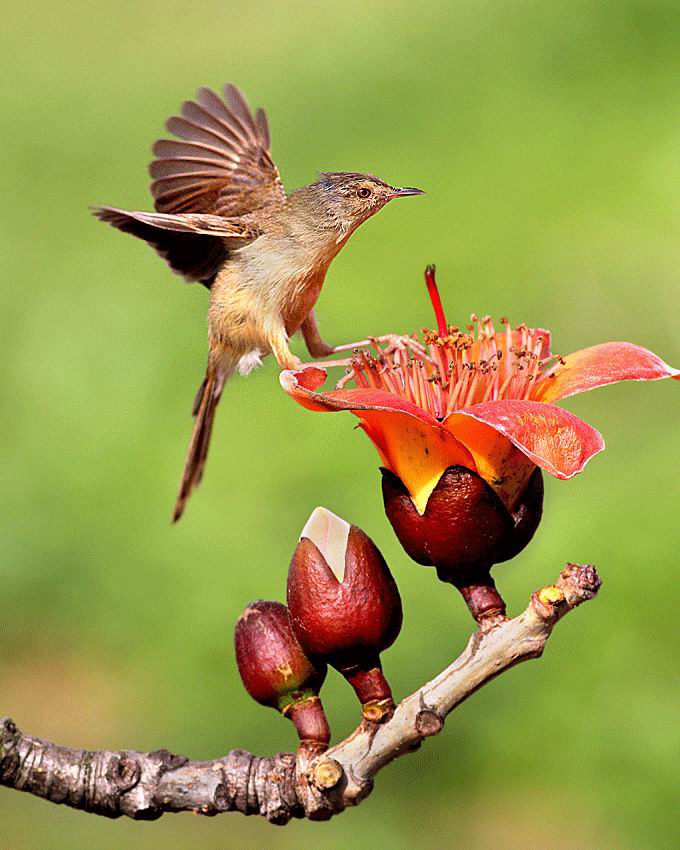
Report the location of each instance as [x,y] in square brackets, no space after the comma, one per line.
[415,451]
[545,435]
[603,364]
[410,441]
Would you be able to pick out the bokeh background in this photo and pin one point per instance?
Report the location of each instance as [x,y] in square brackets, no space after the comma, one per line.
[547,136]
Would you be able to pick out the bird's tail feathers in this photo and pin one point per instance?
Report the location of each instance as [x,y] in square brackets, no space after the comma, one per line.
[205,405]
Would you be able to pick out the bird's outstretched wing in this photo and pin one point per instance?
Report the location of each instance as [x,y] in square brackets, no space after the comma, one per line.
[221,161]
[183,240]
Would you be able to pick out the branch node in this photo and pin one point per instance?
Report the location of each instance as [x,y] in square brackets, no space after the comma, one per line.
[579,582]
[325,774]
[167,760]
[378,710]
[428,723]
[123,771]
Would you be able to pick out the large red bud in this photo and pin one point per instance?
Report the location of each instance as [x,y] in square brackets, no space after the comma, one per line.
[464,530]
[276,671]
[345,606]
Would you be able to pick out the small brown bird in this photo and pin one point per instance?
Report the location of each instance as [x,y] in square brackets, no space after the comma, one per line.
[223,219]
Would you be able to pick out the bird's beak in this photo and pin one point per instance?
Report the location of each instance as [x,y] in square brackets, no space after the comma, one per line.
[402,193]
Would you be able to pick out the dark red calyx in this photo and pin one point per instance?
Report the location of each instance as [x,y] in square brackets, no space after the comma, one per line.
[276,671]
[464,530]
[465,523]
[344,604]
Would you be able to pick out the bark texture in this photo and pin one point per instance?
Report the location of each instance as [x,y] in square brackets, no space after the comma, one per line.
[307,784]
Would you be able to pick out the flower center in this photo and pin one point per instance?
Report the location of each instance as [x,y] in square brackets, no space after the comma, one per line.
[452,369]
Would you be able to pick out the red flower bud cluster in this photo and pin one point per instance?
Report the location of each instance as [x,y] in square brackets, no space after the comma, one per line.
[345,606]
[343,609]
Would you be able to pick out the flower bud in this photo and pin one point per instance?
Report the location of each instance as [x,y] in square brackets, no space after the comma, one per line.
[345,606]
[276,672]
[464,530]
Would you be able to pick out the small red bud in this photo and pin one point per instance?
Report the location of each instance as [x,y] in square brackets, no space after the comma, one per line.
[345,606]
[464,530]
[276,672]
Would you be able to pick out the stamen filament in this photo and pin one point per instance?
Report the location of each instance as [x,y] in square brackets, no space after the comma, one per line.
[451,369]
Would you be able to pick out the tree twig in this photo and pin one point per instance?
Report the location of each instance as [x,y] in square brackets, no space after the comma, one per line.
[146,785]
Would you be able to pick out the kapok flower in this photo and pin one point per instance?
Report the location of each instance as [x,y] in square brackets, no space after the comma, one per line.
[477,402]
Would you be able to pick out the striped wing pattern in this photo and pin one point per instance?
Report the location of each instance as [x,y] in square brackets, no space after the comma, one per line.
[220,163]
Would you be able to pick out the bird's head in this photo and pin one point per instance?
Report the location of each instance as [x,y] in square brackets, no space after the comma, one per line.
[350,198]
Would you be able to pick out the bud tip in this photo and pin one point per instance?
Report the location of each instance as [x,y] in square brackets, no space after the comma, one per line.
[329,533]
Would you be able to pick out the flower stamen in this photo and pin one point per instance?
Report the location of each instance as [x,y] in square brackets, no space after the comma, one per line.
[450,369]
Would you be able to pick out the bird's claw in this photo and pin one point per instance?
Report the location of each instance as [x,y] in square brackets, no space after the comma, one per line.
[396,342]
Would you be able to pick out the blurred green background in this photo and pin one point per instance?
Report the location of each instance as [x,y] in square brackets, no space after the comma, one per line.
[547,136]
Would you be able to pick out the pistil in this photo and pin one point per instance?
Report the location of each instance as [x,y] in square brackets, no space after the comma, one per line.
[452,369]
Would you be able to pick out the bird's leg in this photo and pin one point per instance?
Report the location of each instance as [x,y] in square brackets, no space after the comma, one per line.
[324,364]
[316,346]
[392,343]
[278,342]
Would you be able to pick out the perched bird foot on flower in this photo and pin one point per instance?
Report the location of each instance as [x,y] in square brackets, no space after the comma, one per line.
[392,343]
[465,421]
[224,219]
[326,363]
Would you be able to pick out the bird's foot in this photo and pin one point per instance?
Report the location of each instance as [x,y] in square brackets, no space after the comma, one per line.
[324,364]
[386,344]
[289,361]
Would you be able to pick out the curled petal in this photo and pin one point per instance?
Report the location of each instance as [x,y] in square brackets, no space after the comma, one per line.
[410,441]
[552,438]
[602,364]
[501,464]
[301,386]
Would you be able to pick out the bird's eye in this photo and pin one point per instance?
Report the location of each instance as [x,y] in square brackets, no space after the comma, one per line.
[363,192]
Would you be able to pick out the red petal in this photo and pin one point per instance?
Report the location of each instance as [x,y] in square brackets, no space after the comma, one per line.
[550,437]
[603,364]
[301,386]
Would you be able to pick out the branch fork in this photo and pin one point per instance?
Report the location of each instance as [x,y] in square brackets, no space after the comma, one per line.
[317,786]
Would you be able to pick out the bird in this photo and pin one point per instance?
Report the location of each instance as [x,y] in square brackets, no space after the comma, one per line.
[223,219]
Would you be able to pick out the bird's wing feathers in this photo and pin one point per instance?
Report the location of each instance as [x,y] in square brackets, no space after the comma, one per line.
[220,162]
[193,245]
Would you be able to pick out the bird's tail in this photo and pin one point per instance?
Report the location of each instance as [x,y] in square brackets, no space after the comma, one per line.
[205,405]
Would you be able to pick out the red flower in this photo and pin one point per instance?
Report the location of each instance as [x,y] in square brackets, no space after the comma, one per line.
[464,421]
[477,398]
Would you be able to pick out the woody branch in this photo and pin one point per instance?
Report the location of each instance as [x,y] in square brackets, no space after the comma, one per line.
[146,785]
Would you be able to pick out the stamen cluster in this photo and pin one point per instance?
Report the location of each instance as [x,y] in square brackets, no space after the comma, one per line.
[452,369]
